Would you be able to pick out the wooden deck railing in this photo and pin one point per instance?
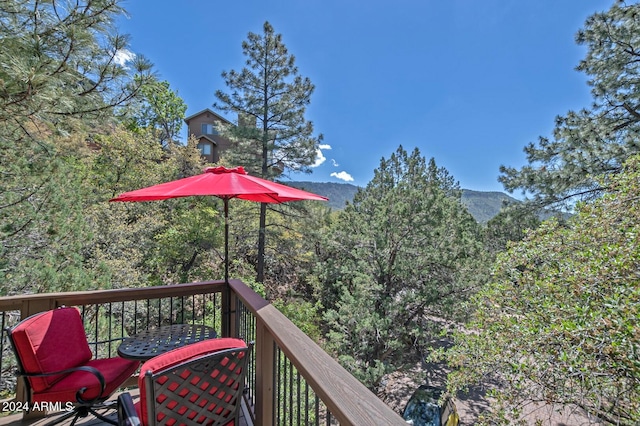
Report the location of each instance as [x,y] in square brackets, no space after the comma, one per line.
[292,381]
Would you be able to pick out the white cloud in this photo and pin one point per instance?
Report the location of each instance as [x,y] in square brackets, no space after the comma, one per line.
[320,158]
[342,176]
[123,56]
[335,163]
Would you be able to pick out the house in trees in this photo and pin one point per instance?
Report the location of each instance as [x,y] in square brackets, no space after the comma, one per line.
[202,126]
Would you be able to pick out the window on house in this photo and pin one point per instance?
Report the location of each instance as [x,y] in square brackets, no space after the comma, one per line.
[209,129]
[205,148]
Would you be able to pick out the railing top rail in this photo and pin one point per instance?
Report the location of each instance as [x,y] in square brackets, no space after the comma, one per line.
[349,401]
[74,298]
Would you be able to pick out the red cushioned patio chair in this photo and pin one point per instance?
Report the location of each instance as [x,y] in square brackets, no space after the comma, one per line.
[54,358]
[198,384]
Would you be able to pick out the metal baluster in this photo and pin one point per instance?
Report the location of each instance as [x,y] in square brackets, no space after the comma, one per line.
[306,403]
[299,404]
[277,399]
[290,411]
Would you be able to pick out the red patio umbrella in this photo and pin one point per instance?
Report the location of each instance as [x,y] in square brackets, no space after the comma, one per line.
[225,184]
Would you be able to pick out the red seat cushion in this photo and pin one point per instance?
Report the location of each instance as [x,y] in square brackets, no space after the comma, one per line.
[176,357]
[51,341]
[115,371]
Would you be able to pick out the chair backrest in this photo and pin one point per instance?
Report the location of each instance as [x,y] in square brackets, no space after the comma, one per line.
[48,342]
[201,383]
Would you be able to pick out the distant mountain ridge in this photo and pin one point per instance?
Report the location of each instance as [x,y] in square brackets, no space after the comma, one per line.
[483,205]
[337,193]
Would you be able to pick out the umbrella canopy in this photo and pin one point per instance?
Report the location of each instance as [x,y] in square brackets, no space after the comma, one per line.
[225,184]
[222,183]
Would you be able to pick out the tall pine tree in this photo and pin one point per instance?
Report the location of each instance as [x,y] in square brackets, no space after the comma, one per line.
[270,98]
[597,140]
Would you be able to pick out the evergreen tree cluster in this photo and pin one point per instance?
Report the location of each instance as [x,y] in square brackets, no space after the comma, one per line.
[406,250]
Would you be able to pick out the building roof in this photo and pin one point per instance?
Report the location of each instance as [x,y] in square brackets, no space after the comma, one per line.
[197,114]
[213,141]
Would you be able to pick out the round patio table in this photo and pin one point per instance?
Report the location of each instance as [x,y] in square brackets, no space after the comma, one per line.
[155,341]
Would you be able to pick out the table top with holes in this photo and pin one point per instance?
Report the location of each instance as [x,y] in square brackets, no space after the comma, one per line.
[155,341]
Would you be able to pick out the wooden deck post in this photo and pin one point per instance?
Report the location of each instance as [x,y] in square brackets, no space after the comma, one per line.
[232,320]
[226,312]
[264,349]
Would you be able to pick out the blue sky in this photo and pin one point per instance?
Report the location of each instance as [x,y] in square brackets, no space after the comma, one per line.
[467,82]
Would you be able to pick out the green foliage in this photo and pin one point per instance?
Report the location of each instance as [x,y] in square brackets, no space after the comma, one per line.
[303,314]
[186,159]
[125,161]
[404,250]
[183,250]
[159,109]
[60,60]
[290,256]
[590,142]
[46,254]
[509,225]
[123,235]
[60,83]
[560,320]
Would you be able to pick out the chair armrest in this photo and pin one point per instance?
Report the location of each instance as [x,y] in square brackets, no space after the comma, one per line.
[85,368]
[127,415]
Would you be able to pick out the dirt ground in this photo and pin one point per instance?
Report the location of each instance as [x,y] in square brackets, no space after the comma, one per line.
[398,387]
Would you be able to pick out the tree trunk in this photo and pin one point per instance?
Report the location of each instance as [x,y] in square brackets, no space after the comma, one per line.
[263,206]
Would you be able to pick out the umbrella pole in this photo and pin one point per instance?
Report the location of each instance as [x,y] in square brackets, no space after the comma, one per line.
[226,240]
[226,294]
